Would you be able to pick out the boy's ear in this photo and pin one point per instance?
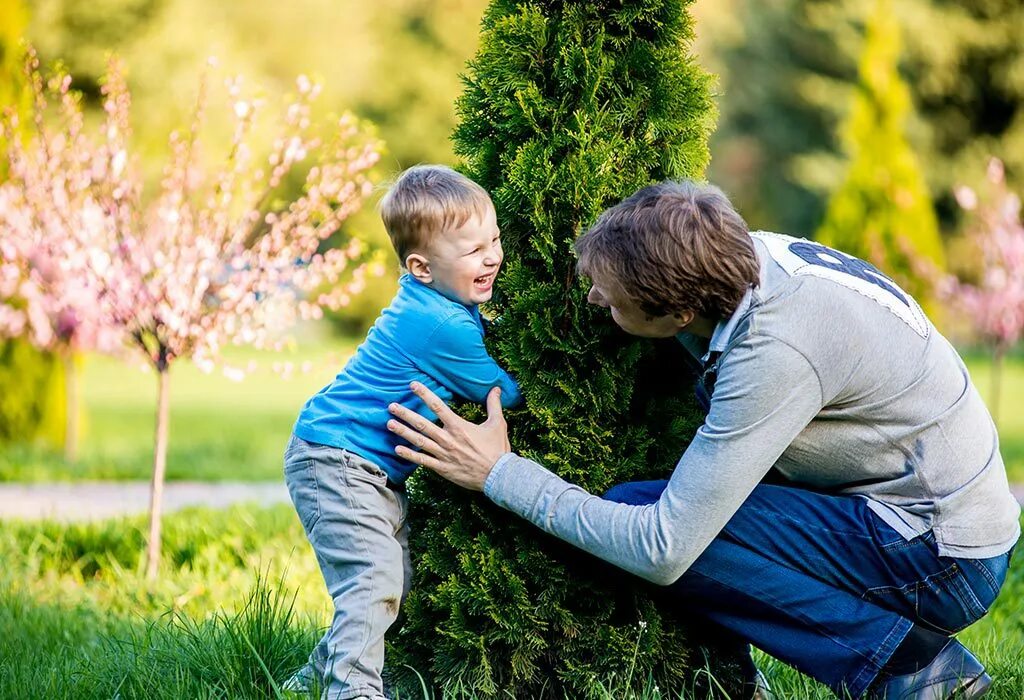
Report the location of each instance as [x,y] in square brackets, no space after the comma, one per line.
[419,267]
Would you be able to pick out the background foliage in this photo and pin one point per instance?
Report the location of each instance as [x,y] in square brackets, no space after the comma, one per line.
[881,211]
[788,67]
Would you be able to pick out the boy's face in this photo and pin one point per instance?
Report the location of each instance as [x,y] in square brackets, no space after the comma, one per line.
[462,263]
[607,292]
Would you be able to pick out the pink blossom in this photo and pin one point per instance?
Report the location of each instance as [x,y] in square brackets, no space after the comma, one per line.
[995,303]
[87,262]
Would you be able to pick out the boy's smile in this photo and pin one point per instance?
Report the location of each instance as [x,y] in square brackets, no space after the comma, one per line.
[462,263]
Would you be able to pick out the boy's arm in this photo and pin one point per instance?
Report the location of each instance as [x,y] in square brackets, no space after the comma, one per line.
[455,355]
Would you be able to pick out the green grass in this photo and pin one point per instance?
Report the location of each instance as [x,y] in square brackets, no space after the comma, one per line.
[239,592]
[239,605]
[220,430]
[1011,407]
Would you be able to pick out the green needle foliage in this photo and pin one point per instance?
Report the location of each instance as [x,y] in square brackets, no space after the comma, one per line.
[882,212]
[569,107]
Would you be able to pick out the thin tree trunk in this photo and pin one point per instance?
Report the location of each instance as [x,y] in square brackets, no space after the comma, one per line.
[71,406]
[997,381]
[156,492]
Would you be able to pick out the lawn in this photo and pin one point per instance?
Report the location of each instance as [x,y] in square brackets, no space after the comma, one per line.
[224,430]
[220,429]
[239,606]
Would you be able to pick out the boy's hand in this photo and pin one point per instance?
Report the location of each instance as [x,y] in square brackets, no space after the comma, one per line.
[460,451]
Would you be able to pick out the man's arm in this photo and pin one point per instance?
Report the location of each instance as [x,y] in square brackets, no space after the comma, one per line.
[766,394]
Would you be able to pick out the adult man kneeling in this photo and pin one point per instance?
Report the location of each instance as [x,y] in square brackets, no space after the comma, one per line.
[895,526]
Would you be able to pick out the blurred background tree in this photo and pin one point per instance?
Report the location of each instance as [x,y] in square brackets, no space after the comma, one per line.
[395,62]
[881,211]
[787,71]
[787,75]
[31,382]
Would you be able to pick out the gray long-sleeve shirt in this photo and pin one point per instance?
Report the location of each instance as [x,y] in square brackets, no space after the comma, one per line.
[833,375]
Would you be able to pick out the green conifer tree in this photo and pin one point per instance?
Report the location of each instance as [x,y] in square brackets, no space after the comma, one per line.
[882,211]
[788,69]
[569,107]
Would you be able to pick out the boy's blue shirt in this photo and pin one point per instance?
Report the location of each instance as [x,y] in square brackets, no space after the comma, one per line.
[423,336]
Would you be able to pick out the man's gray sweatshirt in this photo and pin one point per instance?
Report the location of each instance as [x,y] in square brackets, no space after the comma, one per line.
[833,375]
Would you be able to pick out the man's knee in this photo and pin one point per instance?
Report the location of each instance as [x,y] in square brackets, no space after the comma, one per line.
[636,493]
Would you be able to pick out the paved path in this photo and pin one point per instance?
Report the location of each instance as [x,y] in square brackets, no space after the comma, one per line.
[95,500]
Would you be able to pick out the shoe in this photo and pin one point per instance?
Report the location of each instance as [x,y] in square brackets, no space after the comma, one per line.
[761,691]
[302,681]
[953,674]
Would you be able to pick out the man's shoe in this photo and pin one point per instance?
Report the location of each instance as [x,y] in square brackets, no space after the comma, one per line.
[953,674]
[761,690]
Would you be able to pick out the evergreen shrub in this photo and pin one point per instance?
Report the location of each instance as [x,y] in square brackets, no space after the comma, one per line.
[568,108]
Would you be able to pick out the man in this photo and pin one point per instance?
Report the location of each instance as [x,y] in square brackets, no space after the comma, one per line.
[896,525]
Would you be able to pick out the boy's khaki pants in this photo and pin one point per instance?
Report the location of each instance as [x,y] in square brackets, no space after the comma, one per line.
[356,523]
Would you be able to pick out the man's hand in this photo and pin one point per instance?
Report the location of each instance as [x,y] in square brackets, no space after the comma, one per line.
[460,451]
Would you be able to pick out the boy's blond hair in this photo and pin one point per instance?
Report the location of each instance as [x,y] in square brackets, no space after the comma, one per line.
[427,200]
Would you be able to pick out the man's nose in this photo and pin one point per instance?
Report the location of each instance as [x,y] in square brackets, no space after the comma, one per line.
[594,297]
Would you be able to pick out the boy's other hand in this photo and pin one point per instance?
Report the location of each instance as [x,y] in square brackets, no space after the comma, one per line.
[460,451]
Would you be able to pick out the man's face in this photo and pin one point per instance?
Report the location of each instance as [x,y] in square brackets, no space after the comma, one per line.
[607,292]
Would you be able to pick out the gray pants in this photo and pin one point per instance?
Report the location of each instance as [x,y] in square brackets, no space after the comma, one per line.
[357,526]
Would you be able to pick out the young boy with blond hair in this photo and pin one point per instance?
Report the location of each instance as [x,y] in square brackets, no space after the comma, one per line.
[342,473]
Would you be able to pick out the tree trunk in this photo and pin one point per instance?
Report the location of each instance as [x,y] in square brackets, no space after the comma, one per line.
[71,406]
[156,491]
[997,380]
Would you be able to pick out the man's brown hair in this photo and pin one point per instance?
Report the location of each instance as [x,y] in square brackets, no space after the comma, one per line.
[426,200]
[674,247]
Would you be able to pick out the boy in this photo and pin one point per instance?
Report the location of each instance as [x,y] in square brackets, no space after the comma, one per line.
[340,465]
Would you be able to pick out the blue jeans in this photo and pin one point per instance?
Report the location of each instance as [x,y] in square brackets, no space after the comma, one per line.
[823,584]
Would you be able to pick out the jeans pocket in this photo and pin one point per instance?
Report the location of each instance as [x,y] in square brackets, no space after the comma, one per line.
[300,477]
[985,577]
[948,602]
[943,602]
[363,470]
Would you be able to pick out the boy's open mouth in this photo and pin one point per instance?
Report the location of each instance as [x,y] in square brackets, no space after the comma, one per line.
[484,280]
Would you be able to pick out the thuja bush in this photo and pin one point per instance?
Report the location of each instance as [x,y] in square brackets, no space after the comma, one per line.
[568,108]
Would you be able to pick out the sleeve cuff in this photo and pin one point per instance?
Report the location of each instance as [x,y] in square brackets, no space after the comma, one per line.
[519,485]
[493,480]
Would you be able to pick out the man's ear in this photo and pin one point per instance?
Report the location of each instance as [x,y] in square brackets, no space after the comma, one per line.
[419,267]
[685,317]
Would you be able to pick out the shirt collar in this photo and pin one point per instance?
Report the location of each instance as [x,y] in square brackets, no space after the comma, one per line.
[723,332]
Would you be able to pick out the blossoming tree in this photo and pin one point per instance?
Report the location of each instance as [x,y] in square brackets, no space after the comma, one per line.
[215,258]
[45,220]
[994,303]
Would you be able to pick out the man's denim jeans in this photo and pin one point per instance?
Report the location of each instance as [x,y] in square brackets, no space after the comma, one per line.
[823,584]
[357,525]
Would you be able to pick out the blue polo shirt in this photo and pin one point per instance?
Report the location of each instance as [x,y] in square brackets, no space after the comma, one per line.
[423,336]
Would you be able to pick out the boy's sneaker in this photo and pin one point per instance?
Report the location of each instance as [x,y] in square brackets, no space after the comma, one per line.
[304,680]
